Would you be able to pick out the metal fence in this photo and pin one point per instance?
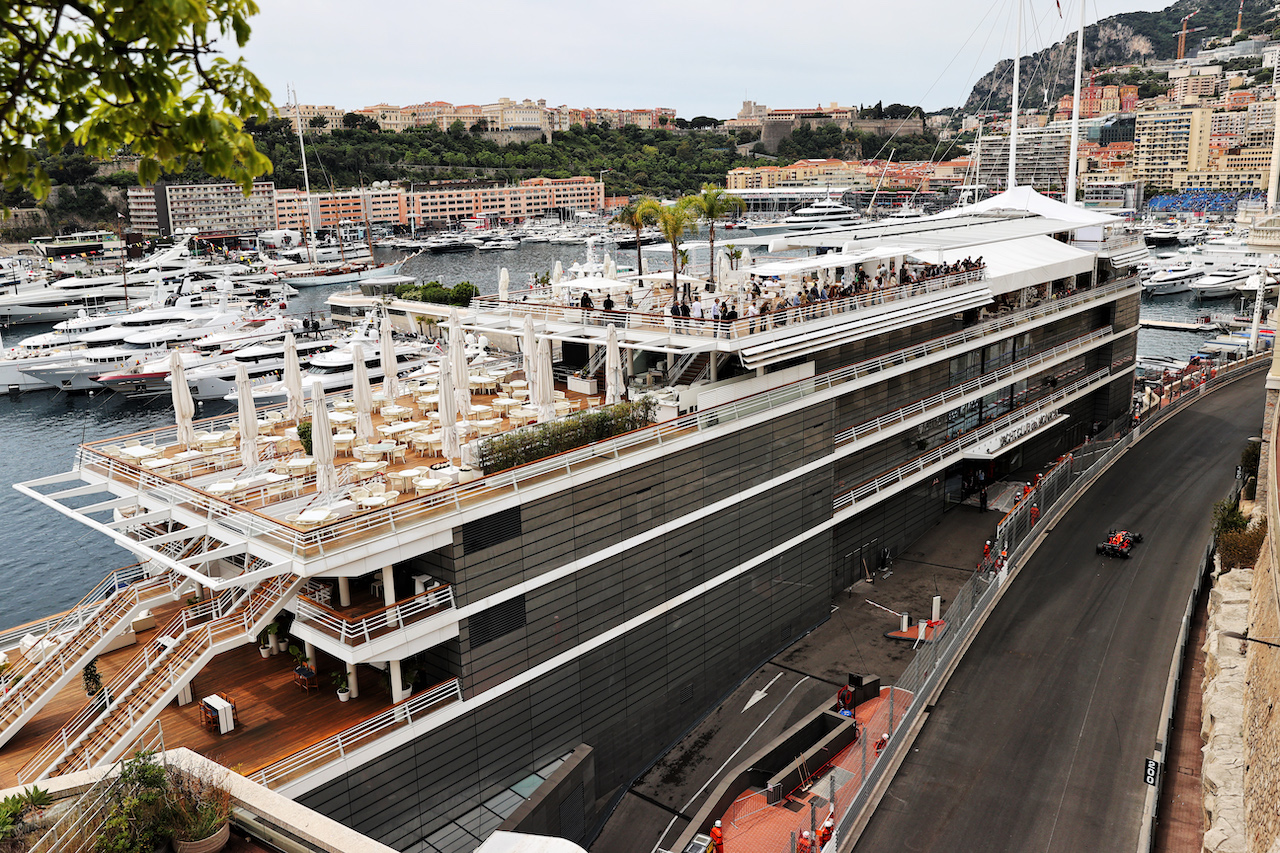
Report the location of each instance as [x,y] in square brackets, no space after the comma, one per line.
[1016,535]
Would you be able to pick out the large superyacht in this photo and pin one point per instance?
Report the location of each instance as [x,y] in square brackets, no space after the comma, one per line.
[559,623]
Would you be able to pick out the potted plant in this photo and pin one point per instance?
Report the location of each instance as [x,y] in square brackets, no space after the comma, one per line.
[200,813]
[92,679]
[282,623]
[300,662]
[304,436]
[264,644]
[339,678]
[272,629]
[138,819]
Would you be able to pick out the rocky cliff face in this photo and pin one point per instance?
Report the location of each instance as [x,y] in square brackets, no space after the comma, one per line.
[1118,40]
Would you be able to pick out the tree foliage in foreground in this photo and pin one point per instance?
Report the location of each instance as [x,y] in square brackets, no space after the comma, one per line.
[141,74]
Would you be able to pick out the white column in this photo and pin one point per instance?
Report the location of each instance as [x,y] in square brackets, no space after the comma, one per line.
[397,686]
[344,592]
[389,592]
[310,651]
[715,363]
[351,681]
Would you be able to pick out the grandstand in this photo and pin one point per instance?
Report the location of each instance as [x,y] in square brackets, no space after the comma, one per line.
[1202,201]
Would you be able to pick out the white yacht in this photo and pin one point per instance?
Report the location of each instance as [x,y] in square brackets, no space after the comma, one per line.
[152,375]
[335,368]
[132,342]
[215,377]
[1173,279]
[1221,282]
[826,213]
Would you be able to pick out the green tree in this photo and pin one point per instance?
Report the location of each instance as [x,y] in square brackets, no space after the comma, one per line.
[636,216]
[674,221]
[318,122]
[715,203]
[147,75]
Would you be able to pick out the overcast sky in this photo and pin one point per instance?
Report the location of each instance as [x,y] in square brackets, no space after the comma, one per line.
[701,57]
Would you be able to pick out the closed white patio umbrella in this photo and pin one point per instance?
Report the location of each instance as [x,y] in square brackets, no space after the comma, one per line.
[322,444]
[458,360]
[557,273]
[448,411]
[390,382]
[363,396]
[295,408]
[545,390]
[248,419]
[613,378]
[184,408]
[529,350]
[504,284]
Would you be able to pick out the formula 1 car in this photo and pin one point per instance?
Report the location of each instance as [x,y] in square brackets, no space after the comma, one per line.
[1119,543]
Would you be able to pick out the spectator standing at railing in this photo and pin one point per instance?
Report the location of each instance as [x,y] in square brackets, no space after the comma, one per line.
[685,313]
[695,313]
[764,315]
[716,312]
[753,314]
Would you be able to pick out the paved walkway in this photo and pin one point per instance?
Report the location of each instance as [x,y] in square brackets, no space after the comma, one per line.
[1181,810]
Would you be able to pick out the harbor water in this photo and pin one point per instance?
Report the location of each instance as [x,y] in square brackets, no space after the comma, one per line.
[49,562]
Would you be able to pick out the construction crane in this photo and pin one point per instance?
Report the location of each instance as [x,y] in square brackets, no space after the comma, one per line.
[1182,33]
[1239,19]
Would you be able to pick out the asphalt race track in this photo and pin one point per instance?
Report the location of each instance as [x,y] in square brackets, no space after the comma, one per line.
[1039,739]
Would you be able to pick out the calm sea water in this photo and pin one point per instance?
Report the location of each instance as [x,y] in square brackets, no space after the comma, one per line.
[48,562]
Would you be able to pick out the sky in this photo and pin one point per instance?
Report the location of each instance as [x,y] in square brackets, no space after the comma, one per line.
[700,57]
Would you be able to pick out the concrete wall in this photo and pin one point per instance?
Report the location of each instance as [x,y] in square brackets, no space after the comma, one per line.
[1261,714]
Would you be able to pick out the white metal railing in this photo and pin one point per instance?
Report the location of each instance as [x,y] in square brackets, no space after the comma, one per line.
[354,632]
[956,445]
[80,614]
[77,828]
[152,655]
[995,377]
[250,523]
[70,653]
[730,329]
[365,732]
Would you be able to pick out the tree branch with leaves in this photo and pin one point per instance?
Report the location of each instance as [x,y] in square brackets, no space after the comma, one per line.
[144,75]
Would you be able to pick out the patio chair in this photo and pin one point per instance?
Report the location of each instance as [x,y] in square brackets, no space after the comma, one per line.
[208,718]
[235,712]
[377,488]
[401,453]
[359,493]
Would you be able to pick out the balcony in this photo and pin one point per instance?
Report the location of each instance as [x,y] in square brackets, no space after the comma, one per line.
[360,626]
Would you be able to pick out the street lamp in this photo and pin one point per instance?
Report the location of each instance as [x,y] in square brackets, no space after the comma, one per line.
[1236,635]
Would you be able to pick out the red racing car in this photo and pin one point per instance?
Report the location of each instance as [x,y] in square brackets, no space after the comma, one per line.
[1119,543]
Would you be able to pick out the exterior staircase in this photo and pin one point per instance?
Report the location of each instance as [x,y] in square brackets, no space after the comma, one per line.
[110,722]
[82,635]
[689,368]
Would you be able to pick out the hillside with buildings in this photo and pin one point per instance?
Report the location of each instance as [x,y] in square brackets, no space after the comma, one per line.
[1127,38]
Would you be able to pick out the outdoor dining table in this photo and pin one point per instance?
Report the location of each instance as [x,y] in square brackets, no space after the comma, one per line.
[479,411]
[397,428]
[342,418]
[301,465]
[226,717]
[423,485]
[313,516]
[503,403]
[394,411]
[519,383]
[429,401]
[522,416]
[381,448]
[344,406]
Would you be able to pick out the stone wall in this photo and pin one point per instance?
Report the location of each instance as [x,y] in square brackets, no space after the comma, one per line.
[1261,723]
[1222,717]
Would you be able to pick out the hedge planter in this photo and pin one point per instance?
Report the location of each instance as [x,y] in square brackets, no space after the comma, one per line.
[212,844]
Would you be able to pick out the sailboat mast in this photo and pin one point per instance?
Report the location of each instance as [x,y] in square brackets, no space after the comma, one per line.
[1075,113]
[306,181]
[1013,112]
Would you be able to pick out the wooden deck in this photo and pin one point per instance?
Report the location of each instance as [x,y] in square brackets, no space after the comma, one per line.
[277,718]
[279,505]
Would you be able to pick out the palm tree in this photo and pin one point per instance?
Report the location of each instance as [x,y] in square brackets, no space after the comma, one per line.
[674,221]
[715,203]
[636,216]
